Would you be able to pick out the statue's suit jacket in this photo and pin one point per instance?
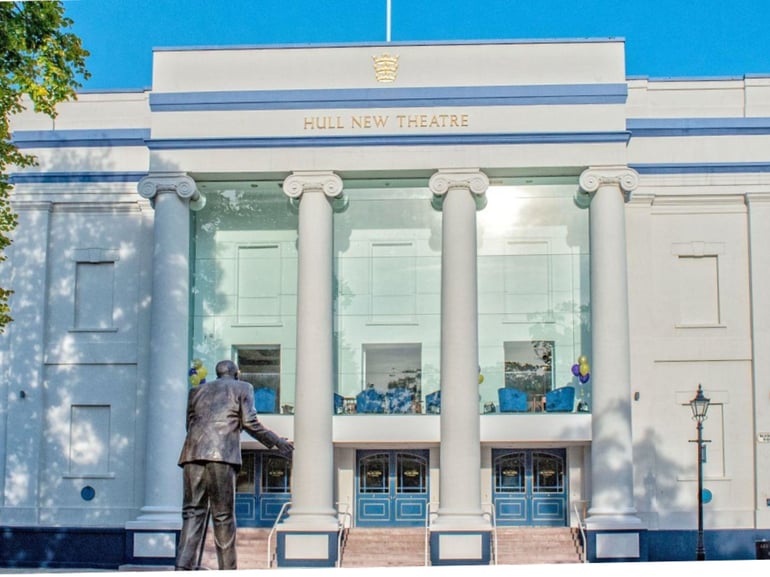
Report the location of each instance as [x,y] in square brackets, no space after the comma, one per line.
[217,412]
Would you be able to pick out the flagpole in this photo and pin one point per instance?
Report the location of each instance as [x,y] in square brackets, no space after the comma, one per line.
[387,22]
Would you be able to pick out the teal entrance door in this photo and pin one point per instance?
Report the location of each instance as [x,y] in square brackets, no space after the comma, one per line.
[262,488]
[392,488]
[530,487]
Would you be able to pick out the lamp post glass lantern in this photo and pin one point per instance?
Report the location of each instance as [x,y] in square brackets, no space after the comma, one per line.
[700,406]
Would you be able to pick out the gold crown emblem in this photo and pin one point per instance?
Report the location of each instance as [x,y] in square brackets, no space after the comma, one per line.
[385,67]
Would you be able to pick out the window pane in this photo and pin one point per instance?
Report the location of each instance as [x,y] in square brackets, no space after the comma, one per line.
[276,474]
[528,368]
[509,474]
[395,370]
[373,474]
[261,366]
[411,474]
[547,474]
[245,480]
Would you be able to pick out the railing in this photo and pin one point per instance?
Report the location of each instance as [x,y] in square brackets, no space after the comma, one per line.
[429,514]
[428,517]
[270,555]
[493,522]
[581,526]
[342,515]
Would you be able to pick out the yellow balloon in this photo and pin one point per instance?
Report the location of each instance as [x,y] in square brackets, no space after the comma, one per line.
[202,372]
[197,363]
[584,369]
[481,378]
[582,360]
[195,380]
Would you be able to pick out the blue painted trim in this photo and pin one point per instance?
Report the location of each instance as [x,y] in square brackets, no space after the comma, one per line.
[63,547]
[389,140]
[656,127]
[702,168]
[489,42]
[486,550]
[457,96]
[74,177]
[280,554]
[720,545]
[78,138]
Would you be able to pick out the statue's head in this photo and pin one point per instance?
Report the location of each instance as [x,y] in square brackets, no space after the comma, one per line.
[227,367]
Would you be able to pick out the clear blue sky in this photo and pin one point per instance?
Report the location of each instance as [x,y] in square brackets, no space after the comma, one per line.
[664,38]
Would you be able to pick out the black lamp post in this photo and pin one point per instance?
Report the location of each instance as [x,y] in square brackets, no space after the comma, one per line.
[700,406]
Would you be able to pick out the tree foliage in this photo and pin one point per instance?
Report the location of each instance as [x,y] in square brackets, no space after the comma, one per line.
[42,63]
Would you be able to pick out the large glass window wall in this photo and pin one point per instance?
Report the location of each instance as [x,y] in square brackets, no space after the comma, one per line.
[388,297]
[533,283]
[534,297]
[244,283]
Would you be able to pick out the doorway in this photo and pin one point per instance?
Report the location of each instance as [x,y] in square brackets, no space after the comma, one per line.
[530,487]
[392,488]
[262,487]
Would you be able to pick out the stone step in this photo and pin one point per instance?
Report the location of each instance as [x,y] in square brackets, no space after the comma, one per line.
[367,547]
[536,545]
[385,547]
[251,544]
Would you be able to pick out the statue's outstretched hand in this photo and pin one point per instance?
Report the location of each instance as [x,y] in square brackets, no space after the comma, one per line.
[285,448]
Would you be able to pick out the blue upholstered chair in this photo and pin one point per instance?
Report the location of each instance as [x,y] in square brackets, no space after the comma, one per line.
[370,401]
[264,400]
[400,400]
[512,400]
[339,404]
[433,402]
[560,400]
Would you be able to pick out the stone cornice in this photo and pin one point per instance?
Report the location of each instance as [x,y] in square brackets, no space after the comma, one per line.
[178,182]
[299,183]
[758,197]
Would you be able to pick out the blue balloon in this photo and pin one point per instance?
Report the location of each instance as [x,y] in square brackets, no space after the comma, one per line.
[576,370]
[584,378]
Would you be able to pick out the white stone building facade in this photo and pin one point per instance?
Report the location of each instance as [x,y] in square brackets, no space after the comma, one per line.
[492,221]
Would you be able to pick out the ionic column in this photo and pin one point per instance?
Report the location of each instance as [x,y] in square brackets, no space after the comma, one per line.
[612,470]
[312,493]
[460,452]
[172,195]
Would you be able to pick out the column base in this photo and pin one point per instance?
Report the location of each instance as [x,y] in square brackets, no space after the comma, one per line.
[613,538]
[306,548]
[151,539]
[467,547]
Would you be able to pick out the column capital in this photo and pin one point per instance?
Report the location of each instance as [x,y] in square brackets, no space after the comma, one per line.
[471,179]
[626,179]
[592,179]
[300,182]
[178,182]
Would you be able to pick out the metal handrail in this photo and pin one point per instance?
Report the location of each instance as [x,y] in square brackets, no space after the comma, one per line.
[341,515]
[581,526]
[284,508]
[493,521]
[428,514]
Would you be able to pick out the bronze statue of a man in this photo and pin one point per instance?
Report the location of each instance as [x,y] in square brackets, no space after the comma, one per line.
[217,412]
